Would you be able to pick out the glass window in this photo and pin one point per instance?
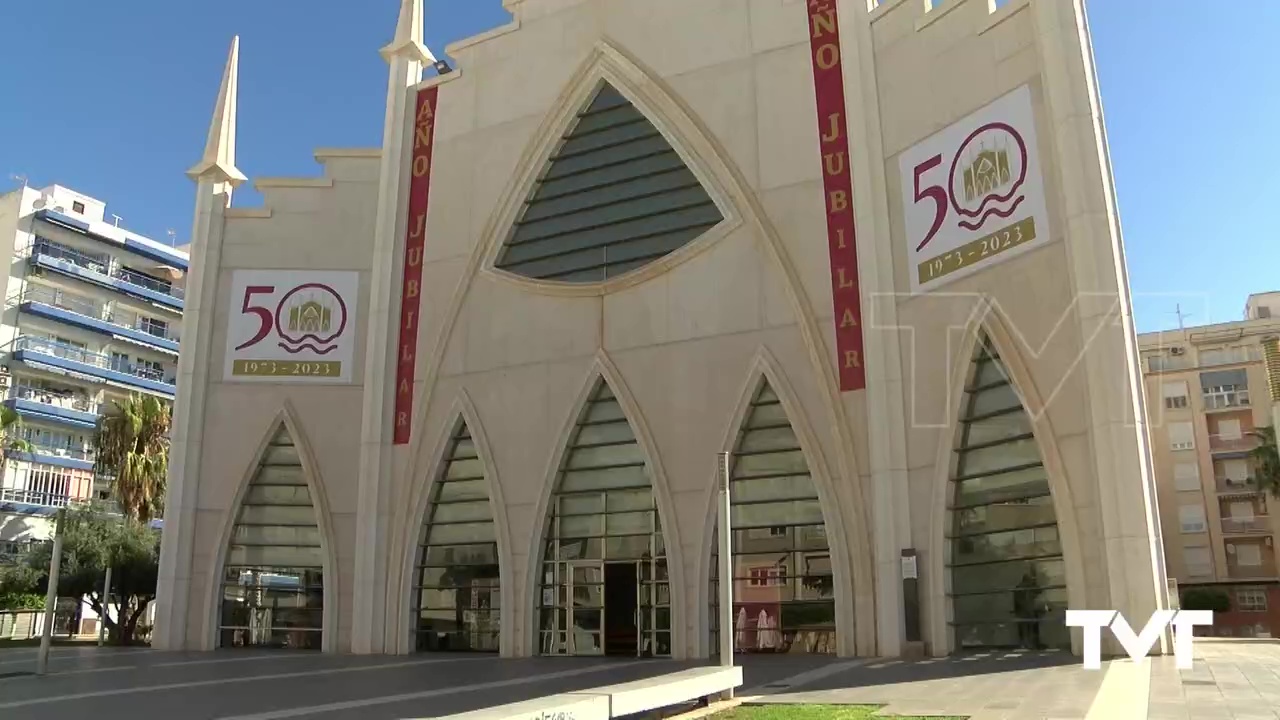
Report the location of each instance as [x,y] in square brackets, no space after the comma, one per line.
[603,527]
[614,197]
[783,588]
[1008,583]
[1181,436]
[1186,475]
[273,587]
[458,591]
[1251,599]
[1191,518]
[1199,561]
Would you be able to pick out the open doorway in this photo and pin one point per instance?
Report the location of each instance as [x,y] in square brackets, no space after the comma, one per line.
[621,586]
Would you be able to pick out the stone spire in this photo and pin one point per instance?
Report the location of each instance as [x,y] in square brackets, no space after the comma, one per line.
[219,161]
[408,39]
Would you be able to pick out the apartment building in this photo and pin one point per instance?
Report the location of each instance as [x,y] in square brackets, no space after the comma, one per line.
[1207,392]
[91,315]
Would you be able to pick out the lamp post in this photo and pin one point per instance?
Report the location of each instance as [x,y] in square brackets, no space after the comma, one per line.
[50,597]
[725,557]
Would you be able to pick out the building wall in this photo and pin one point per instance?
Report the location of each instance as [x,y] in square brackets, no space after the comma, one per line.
[684,342]
[1183,357]
[51,315]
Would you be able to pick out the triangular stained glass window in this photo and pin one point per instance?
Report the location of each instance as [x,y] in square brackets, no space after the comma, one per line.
[613,197]
[457,595]
[273,578]
[604,586]
[783,584]
[1008,582]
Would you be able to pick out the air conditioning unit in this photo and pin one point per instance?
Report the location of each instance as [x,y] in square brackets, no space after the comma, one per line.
[1177,351]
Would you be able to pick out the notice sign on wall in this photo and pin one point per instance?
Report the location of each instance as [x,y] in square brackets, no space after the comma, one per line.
[973,194]
[291,326]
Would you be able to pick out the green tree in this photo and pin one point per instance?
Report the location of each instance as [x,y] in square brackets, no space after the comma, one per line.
[1205,599]
[1266,461]
[10,441]
[18,588]
[132,445]
[92,541]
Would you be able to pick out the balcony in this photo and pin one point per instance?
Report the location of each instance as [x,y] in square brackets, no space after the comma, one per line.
[50,406]
[1252,572]
[1246,526]
[98,270]
[92,365]
[1232,443]
[87,314]
[57,456]
[1226,399]
[33,499]
[107,234]
[1234,485]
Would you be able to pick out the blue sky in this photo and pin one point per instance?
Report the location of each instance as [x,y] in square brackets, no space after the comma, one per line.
[113,99]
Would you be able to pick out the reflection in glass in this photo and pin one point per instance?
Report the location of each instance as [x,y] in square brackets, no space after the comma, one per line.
[273,579]
[783,591]
[457,592]
[1008,584]
[602,527]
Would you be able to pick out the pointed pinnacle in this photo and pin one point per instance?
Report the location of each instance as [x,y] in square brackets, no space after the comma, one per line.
[219,159]
[408,39]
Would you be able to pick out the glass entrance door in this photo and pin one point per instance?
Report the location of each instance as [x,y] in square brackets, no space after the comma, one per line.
[585,617]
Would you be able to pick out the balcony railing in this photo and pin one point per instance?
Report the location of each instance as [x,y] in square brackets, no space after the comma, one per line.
[1234,485]
[130,319]
[1232,442]
[150,283]
[31,497]
[87,357]
[62,451]
[55,399]
[95,263]
[1266,570]
[104,269]
[1255,524]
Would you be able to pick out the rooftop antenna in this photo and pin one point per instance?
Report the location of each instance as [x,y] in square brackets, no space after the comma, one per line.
[173,237]
[23,178]
[117,219]
[1181,316]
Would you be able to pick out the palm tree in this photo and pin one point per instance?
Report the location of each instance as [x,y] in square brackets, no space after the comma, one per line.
[132,447]
[1266,461]
[10,441]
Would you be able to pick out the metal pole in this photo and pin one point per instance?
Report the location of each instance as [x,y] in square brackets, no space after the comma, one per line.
[50,597]
[725,569]
[106,600]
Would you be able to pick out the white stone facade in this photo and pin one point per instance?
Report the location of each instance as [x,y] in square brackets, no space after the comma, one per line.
[684,341]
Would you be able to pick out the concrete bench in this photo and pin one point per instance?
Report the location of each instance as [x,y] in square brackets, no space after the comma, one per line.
[610,701]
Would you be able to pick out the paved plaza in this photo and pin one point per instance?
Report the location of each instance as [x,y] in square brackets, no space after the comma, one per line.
[1232,680]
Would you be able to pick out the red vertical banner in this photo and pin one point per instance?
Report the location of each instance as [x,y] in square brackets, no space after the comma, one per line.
[424,128]
[837,186]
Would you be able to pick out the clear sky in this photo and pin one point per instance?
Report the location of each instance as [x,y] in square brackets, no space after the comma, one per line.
[114,98]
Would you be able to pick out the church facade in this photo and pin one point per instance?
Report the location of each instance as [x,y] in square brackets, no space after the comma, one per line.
[470,390]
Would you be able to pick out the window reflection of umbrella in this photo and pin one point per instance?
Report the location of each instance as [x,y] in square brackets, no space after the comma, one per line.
[764,633]
[741,640]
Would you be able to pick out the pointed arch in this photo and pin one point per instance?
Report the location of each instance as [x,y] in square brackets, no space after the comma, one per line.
[1022,523]
[717,172]
[608,76]
[765,391]
[465,428]
[605,422]
[267,516]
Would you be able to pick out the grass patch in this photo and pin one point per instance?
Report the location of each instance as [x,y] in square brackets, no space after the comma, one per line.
[818,712]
